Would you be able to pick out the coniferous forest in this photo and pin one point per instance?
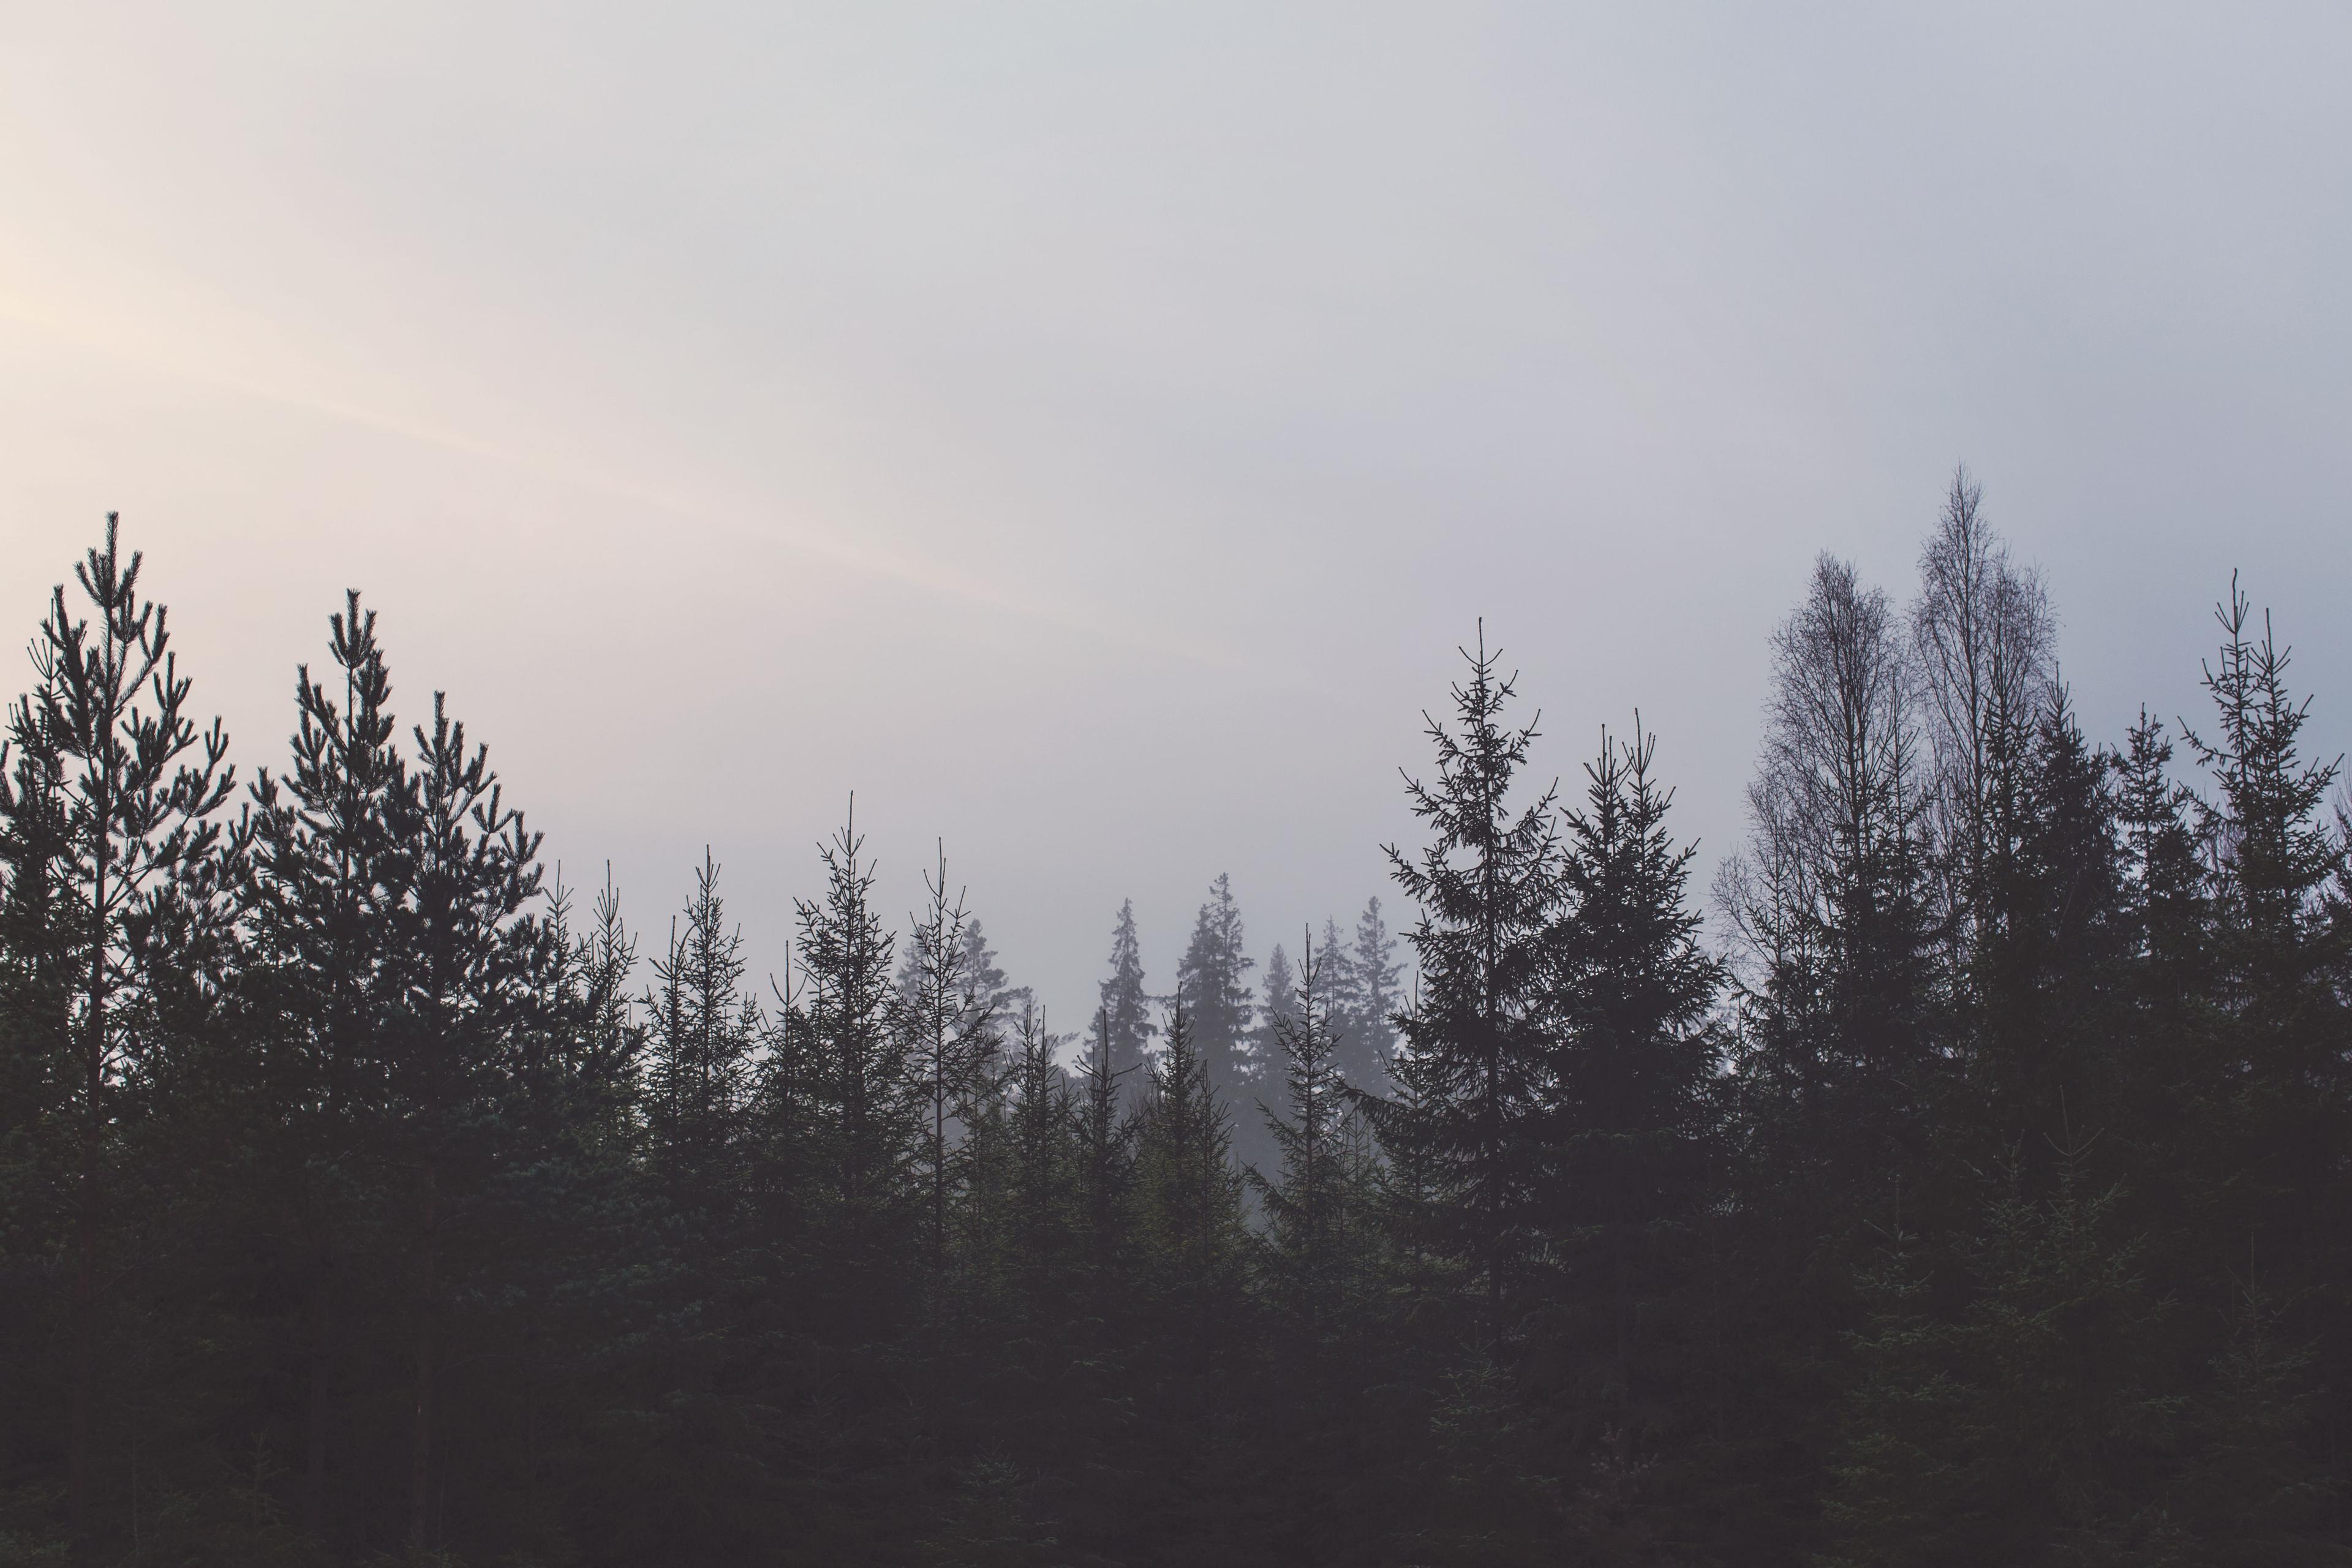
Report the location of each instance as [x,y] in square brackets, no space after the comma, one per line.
[1959,1177]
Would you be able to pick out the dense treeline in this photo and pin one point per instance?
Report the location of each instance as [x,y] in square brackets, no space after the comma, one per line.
[1977,1193]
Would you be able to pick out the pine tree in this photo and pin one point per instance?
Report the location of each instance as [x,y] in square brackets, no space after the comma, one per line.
[2038,1018]
[2164,877]
[1486,884]
[1280,1012]
[122,816]
[951,991]
[1125,1007]
[2272,1099]
[333,862]
[1104,1172]
[1628,1091]
[600,1071]
[700,1064]
[1306,1202]
[1214,978]
[991,990]
[1371,998]
[1038,1127]
[2005,1412]
[466,949]
[862,1091]
[1188,1192]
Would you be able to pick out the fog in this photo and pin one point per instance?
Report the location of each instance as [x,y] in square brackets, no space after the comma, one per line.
[1088,434]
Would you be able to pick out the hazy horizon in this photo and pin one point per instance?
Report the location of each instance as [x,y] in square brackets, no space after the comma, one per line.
[1087,436]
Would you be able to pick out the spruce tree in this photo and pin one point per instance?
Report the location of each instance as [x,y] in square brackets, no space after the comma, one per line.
[863,1094]
[2272,1093]
[702,1037]
[992,990]
[1103,1159]
[1124,1009]
[1307,1202]
[1473,1054]
[952,993]
[1371,998]
[1219,1002]
[1187,1191]
[1627,1091]
[2039,1019]
[1039,1127]
[1280,1012]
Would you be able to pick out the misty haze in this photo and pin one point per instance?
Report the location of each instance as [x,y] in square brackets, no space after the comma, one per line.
[1059,786]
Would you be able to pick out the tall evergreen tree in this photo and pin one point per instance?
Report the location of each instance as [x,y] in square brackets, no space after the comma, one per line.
[125,789]
[1218,1001]
[1307,1203]
[704,1033]
[1281,1011]
[466,952]
[2272,1087]
[1470,1068]
[333,862]
[1370,999]
[1102,1158]
[1187,1191]
[862,1091]
[952,993]
[1039,1145]
[1628,1104]
[991,989]
[1124,1009]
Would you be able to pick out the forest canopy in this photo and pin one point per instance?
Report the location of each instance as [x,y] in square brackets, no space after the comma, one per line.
[1959,1178]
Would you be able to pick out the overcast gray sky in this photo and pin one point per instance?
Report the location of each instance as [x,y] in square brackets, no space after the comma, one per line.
[1086,431]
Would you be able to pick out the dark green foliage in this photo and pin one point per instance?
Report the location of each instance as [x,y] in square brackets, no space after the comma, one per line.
[1472,1062]
[1368,995]
[362,1200]
[1628,1124]
[1213,979]
[1313,1204]
[1124,1014]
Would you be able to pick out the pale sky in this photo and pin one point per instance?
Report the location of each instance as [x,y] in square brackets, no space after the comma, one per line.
[1086,431]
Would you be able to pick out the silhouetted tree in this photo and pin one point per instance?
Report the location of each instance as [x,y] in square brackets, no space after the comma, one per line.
[1629,1109]
[1472,1059]
[1370,999]
[862,1092]
[952,993]
[333,863]
[1220,1002]
[1125,1007]
[124,789]
[466,949]
[1306,1201]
